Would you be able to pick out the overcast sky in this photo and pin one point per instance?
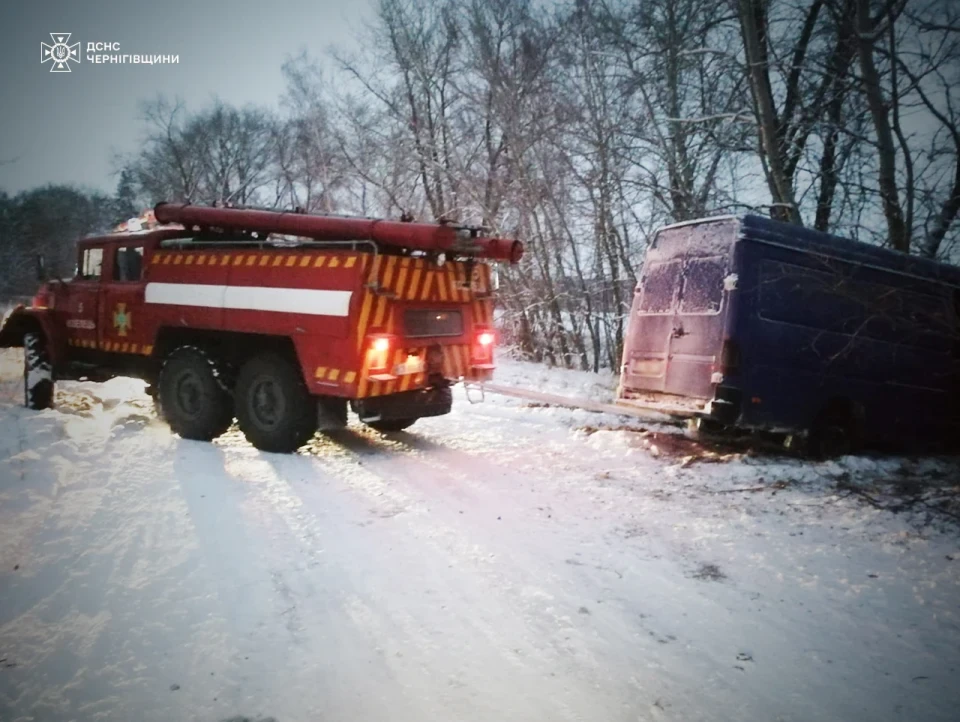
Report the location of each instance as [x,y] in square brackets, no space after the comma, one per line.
[65,127]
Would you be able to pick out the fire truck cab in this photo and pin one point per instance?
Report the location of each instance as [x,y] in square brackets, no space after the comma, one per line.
[278,320]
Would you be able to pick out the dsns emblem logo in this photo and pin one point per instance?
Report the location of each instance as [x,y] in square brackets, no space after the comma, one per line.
[60,54]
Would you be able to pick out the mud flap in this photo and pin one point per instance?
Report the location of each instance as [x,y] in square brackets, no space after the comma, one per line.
[331,413]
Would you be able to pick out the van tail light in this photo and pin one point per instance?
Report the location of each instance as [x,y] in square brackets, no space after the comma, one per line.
[730,357]
[481,354]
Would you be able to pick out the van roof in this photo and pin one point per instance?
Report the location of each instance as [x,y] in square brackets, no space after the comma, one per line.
[788,235]
[767,230]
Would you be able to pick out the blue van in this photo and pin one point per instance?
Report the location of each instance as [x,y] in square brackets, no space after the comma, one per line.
[749,323]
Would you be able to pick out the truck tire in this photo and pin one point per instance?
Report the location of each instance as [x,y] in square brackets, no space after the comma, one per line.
[387,425]
[275,410]
[190,398]
[37,373]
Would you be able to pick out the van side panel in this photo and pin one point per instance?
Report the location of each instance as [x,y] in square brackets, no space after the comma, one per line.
[816,329]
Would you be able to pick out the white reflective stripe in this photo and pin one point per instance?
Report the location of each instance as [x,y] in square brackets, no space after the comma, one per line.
[185,294]
[288,300]
[315,302]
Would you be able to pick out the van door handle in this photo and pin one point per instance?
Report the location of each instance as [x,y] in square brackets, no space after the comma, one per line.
[678,332]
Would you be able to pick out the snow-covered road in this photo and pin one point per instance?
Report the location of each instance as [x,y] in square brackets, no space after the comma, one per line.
[502,563]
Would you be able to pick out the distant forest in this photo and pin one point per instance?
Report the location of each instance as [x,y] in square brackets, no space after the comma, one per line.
[579,129]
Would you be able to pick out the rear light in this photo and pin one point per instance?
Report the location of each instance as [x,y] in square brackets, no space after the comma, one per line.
[379,347]
[385,363]
[481,355]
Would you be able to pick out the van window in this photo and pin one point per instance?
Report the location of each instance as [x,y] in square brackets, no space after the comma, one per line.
[128,264]
[91,263]
[702,285]
[659,288]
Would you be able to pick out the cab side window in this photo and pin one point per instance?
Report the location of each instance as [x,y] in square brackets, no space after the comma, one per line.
[91,263]
[128,264]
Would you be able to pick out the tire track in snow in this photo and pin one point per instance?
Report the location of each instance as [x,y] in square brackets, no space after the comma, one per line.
[542,637]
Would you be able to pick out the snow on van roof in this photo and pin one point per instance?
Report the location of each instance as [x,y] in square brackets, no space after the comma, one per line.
[697,221]
[761,229]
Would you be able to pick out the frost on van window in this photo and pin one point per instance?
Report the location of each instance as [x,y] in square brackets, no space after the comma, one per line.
[699,239]
[660,287]
[703,282]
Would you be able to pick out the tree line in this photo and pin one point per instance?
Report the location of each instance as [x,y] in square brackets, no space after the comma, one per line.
[48,221]
[582,128]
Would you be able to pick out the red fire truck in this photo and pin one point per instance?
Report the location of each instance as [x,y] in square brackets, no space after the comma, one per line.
[277,319]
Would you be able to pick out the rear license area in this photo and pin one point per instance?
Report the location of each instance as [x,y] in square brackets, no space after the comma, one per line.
[650,367]
[413,364]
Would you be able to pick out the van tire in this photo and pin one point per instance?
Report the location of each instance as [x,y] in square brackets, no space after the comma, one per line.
[835,432]
[190,398]
[275,410]
[37,372]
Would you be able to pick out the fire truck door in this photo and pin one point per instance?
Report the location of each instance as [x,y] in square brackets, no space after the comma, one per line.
[77,301]
[121,298]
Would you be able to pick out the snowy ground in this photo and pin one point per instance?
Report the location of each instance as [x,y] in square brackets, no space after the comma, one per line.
[507,562]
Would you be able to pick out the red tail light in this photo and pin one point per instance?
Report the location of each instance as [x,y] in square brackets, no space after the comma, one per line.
[379,348]
[481,355]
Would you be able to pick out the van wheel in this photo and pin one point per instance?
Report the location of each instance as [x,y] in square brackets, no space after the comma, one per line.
[37,373]
[388,425]
[274,408]
[190,398]
[835,432]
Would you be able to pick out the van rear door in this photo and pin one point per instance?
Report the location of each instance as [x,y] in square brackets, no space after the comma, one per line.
[678,320]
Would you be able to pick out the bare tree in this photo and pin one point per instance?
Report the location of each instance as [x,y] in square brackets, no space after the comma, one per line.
[580,129]
[219,155]
[871,30]
[312,169]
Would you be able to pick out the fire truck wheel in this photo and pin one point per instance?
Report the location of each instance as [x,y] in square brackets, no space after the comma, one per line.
[37,373]
[274,408]
[189,397]
[388,425]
